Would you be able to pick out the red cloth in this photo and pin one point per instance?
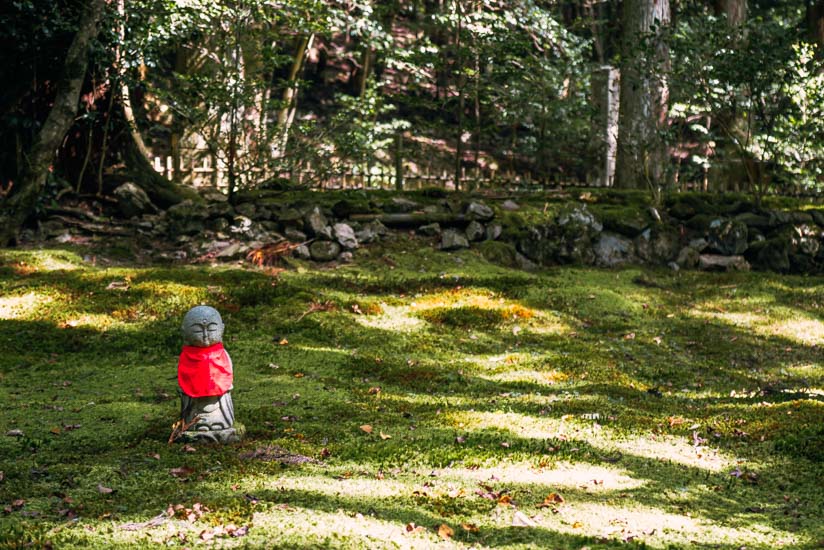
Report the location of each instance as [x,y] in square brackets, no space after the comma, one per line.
[202,372]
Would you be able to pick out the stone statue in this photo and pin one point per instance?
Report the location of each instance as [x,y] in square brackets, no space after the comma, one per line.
[204,376]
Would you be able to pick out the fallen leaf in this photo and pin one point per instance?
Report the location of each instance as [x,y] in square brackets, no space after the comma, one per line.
[470,527]
[19,503]
[412,528]
[657,340]
[56,430]
[505,500]
[155,456]
[366,428]
[385,436]
[15,433]
[630,336]
[445,531]
[2,475]
[118,285]
[577,525]
[187,449]
[299,375]
[183,471]
[374,390]
[240,531]
[283,342]
[104,490]
[460,439]
[522,520]
[551,499]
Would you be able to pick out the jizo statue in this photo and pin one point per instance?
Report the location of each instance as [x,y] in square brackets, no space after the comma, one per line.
[204,376]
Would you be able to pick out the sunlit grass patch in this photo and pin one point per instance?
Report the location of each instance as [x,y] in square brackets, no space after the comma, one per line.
[22,306]
[392,318]
[793,325]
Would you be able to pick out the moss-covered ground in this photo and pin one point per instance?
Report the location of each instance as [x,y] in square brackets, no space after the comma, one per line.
[444,402]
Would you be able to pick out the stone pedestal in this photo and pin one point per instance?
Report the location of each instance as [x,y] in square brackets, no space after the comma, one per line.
[215,418]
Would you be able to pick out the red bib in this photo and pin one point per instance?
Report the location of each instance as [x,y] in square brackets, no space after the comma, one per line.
[202,372]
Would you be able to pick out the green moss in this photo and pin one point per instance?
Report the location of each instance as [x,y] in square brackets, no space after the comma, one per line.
[634,394]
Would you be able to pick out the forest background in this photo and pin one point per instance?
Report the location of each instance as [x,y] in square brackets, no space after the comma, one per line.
[245,93]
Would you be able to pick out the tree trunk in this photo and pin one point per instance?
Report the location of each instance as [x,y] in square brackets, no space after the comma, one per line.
[286,115]
[642,158]
[735,10]
[23,200]
[815,24]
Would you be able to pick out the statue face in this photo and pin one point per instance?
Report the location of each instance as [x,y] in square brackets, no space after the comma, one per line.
[202,327]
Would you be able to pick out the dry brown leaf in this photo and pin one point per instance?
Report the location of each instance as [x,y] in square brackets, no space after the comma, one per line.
[183,471]
[577,525]
[187,449]
[104,490]
[630,336]
[445,531]
[412,528]
[504,500]
[385,436]
[551,499]
[470,527]
[283,342]
[299,375]
[366,428]
[374,390]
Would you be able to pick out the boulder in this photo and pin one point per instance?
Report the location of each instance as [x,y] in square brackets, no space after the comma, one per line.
[626,221]
[658,245]
[806,239]
[187,218]
[771,254]
[753,220]
[577,220]
[233,251]
[294,235]
[401,205]
[716,262]
[314,222]
[370,232]
[476,210]
[346,257]
[242,227]
[302,252]
[290,216]
[429,230]
[475,231]
[221,210]
[247,209]
[345,208]
[728,237]
[779,217]
[612,250]
[133,201]
[799,217]
[493,231]
[345,235]
[451,239]
[499,253]
[324,251]
[688,258]
[510,206]
[818,217]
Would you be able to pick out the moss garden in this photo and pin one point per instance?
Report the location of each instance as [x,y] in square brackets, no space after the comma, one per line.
[414,399]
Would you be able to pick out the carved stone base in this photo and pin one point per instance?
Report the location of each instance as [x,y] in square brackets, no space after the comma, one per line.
[215,418]
[229,435]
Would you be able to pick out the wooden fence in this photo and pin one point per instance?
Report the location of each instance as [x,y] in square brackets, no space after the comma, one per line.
[204,174]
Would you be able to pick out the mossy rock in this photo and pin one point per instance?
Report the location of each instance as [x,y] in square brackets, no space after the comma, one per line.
[629,221]
[499,253]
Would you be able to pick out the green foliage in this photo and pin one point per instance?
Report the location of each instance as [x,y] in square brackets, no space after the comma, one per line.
[760,86]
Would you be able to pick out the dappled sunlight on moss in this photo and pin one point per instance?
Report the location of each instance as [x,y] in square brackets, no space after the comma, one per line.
[23,306]
[658,528]
[793,325]
[392,318]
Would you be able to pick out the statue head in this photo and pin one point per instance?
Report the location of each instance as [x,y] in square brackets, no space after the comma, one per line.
[202,327]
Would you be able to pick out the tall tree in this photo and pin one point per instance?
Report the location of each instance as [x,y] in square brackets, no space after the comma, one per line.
[23,198]
[644,94]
